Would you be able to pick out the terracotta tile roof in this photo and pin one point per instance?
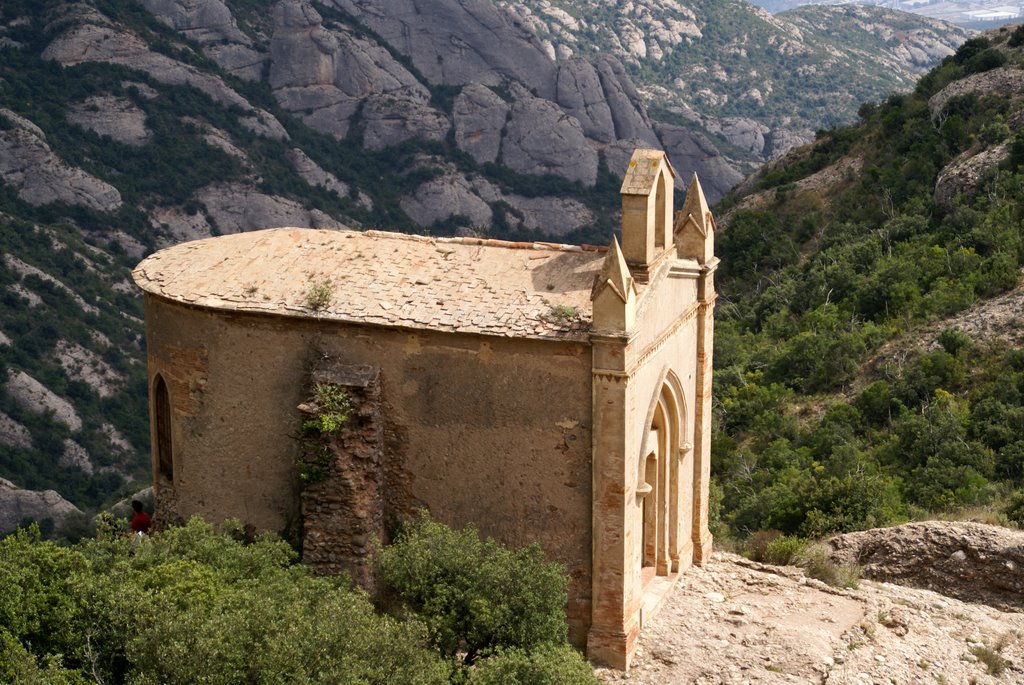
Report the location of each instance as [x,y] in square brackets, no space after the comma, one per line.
[530,290]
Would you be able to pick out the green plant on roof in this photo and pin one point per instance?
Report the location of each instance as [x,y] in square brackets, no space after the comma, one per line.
[319,294]
[561,313]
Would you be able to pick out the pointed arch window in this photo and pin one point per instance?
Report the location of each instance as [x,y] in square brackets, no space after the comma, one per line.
[164,448]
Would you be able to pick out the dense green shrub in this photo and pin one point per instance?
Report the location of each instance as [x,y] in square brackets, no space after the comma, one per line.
[783,551]
[474,595]
[547,664]
[193,606]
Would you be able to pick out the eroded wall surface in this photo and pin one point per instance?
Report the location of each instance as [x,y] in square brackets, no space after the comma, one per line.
[483,430]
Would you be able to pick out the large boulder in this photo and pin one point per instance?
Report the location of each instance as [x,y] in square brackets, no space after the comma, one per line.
[479,115]
[237,207]
[210,23]
[109,115]
[554,216]
[390,119]
[785,139]
[204,21]
[964,175]
[542,139]
[1004,81]
[17,505]
[315,175]
[746,134]
[624,102]
[444,196]
[974,562]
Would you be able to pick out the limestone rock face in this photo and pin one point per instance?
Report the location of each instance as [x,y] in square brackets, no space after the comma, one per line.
[40,177]
[1005,81]
[17,505]
[76,457]
[210,23]
[624,102]
[32,395]
[314,174]
[94,40]
[236,207]
[784,140]
[85,365]
[444,196]
[390,119]
[13,434]
[542,139]
[745,134]
[204,21]
[112,116]
[239,60]
[578,89]
[455,42]
[554,216]
[322,75]
[691,152]
[479,115]
[970,561]
[263,123]
[963,175]
[178,225]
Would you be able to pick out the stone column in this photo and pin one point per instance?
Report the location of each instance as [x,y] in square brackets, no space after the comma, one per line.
[702,419]
[615,622]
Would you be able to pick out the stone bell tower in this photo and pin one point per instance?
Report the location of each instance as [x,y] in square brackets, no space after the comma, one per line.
[647,202]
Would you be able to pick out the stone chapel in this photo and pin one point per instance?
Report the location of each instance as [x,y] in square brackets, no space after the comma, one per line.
[542,392]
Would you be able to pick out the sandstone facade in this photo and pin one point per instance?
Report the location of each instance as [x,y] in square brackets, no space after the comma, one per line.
[543,392]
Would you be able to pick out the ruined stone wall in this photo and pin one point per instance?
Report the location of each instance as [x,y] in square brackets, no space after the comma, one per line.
[483,430]
[342,472]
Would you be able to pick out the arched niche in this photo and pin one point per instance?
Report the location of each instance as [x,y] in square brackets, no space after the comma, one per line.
[665,479]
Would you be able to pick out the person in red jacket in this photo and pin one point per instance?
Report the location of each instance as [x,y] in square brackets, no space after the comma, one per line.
[140,522]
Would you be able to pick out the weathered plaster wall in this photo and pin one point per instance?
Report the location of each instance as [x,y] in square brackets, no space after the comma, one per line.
[486,430]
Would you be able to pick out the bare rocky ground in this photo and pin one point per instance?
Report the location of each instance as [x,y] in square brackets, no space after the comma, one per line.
[736,622]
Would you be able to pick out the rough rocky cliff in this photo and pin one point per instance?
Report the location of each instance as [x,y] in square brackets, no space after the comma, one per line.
[128,126]
[760,83]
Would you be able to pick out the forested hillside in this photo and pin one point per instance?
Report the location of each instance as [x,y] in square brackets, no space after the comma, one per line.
[854,387]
